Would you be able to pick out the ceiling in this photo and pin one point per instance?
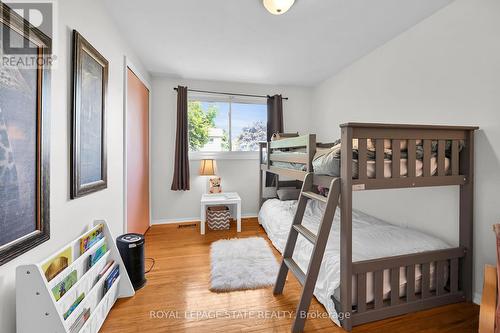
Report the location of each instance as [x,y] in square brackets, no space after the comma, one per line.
[238,40]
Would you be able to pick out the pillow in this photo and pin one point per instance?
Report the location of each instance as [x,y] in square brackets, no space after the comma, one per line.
[269,192]
[288,194]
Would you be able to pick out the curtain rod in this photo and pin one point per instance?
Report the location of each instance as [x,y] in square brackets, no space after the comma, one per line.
[229,94]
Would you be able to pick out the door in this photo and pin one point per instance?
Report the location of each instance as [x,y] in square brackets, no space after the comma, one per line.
[137,147]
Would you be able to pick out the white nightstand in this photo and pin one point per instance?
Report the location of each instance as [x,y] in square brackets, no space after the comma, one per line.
[229,199]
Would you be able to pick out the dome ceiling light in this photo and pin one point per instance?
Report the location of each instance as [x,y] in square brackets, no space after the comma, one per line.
[278,7]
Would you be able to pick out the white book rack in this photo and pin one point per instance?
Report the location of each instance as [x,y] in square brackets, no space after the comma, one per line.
[36,307]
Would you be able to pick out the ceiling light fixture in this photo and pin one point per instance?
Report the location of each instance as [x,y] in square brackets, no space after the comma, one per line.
[278,7]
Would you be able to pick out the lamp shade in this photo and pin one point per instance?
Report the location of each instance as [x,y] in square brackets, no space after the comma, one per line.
[208,168]
[278,7]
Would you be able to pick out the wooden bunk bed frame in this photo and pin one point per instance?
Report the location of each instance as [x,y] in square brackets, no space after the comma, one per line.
[456,286]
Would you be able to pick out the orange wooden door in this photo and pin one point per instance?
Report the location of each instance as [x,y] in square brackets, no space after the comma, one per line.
[137,141]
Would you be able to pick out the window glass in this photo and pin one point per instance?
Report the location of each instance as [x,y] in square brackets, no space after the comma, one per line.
[249,126]
[231,125]
[208,126]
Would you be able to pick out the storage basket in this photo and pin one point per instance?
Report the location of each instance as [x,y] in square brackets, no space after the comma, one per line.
[218,217]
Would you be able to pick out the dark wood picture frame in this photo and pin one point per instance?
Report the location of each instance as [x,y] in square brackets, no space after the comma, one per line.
[11,20]
[81,47]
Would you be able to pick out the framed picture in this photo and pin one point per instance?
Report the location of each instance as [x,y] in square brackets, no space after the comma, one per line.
[88,145]
[24,135]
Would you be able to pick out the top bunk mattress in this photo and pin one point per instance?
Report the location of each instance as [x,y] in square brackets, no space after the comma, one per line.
[327,160]
[371,238]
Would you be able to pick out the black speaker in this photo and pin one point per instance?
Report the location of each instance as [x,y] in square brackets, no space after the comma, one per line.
[131,247]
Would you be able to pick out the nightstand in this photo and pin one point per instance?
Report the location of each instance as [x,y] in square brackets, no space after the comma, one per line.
[216,199]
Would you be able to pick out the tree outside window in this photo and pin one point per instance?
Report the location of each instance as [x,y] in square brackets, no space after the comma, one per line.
[217,126]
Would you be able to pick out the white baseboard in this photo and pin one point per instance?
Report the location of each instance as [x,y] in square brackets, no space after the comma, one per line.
[174,221]
[191,219]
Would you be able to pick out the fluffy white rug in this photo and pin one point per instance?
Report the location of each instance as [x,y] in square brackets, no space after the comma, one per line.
[239,264]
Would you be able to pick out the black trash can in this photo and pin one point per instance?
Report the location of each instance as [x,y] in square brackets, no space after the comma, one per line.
[131,247]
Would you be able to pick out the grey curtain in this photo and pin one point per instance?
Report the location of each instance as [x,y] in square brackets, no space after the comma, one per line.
[274,125]
[180,180]
[274,115]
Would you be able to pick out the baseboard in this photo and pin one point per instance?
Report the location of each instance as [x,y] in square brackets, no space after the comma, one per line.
[191,219]
[174,221]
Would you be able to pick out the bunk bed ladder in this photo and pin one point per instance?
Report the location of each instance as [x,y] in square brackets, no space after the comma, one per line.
[308,280]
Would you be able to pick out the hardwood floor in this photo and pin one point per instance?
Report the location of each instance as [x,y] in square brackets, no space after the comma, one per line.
[176,297]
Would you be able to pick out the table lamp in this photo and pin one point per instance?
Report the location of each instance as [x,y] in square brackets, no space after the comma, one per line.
[208,167]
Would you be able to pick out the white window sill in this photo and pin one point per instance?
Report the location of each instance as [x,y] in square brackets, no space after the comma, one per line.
[224,155]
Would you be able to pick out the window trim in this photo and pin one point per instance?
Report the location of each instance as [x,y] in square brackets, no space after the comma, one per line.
[231,154]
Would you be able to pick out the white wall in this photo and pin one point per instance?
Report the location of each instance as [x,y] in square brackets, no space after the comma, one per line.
[69,218]
[237,175]
[445,70]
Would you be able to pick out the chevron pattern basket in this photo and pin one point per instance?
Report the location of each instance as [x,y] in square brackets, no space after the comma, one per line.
[218,217]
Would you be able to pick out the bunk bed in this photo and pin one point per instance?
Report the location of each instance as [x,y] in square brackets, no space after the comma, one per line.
[380,156]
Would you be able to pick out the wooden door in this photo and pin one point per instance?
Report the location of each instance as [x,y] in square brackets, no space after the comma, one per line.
[137,142]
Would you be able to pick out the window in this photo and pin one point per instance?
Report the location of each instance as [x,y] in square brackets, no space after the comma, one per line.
[226,124]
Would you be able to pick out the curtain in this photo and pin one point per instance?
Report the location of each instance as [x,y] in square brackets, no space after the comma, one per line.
[274,125]
[180,180]
[274,115]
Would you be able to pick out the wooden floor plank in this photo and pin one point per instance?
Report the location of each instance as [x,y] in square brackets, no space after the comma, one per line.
[176,297]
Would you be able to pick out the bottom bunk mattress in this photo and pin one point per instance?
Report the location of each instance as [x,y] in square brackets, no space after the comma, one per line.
[371,238]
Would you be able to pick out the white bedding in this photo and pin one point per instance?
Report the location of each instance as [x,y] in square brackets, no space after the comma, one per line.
[372,238]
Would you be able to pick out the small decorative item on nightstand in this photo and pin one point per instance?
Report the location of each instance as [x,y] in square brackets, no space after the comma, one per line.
[208,168]
[215,185]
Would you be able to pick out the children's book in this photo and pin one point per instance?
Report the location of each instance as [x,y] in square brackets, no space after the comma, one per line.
[91,238]
[104,270]
[110,279]
[80,321]
[62,287]
[58,263]
[93,258]
[73,306]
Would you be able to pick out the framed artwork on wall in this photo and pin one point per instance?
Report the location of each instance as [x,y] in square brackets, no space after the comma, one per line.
[88,144]
[24,135]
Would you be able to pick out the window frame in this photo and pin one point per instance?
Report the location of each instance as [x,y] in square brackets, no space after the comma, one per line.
[224,155]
